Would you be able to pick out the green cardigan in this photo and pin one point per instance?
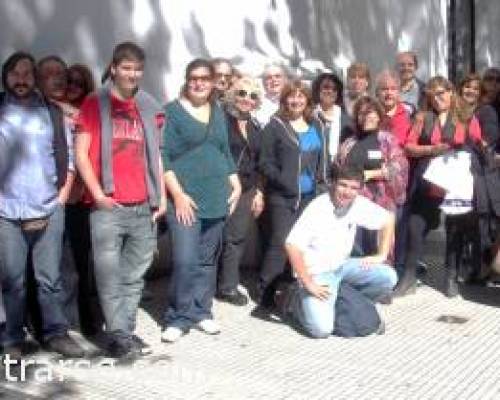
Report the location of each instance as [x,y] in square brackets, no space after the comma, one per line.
[199,156]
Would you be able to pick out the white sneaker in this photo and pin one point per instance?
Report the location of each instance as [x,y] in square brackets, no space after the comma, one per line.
[171,334]
[209,326]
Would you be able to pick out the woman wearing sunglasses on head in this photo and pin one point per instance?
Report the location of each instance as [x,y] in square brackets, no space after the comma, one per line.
[293,162]
[244,141]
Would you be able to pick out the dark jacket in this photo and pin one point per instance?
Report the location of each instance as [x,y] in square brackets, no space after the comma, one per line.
[280,162]
[245,152]
[488,120]
[486,193]
[486,181]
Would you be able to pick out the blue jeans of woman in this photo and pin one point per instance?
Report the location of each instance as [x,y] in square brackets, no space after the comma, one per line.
[195,252]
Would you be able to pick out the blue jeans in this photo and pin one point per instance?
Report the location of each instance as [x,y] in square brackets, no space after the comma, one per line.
[123,245]
[46,247]
[195,251]
[317,317]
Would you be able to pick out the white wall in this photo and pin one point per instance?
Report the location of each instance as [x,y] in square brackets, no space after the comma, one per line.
[307,34]
[487,34]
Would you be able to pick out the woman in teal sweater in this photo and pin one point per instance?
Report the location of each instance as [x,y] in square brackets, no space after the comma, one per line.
[203,188]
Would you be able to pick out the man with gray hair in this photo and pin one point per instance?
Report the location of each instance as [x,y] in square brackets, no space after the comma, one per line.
[412,89]
[223,70]
[274,79]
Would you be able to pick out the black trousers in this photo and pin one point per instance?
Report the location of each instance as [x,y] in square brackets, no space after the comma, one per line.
[77,231]
[424,217]
[462,235]
[281,220]
[235,235]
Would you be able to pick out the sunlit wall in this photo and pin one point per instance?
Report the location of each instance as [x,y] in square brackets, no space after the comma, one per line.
[307,35]
[487,21]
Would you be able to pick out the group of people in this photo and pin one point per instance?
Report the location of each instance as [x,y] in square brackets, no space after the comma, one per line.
[339,180]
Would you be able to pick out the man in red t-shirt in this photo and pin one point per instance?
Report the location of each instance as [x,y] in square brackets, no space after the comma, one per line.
[117,155]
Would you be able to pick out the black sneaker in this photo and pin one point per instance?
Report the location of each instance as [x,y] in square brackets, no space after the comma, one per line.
[120,349]
[15,351]
[140,346]
[284,299]
[65,346]
[234,297]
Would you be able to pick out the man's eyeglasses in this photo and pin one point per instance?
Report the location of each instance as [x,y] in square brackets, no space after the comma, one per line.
[273,76]
[200,78]
[219,75]
[243,93]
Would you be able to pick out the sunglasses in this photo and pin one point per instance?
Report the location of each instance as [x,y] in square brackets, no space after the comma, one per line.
[243,93]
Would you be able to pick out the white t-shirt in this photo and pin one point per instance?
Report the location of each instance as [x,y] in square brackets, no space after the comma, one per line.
[266,110]
[326,238]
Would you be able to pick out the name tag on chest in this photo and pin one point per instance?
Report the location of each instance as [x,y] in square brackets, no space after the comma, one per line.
[374,155]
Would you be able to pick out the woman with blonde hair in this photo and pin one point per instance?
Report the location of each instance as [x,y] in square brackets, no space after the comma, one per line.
[244,142]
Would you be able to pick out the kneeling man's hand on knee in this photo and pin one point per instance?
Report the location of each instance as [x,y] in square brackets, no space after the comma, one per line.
[321,292]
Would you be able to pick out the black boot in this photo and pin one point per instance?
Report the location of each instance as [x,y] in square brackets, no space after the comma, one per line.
[407,284]
[66,346]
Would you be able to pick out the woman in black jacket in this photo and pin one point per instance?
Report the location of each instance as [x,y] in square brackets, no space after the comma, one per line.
[293,163]
[244,142]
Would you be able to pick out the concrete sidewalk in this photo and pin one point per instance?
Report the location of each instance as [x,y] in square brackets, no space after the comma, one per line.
[434,348]
[423,355]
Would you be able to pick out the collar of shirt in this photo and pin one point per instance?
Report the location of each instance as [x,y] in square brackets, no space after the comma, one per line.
[36,99]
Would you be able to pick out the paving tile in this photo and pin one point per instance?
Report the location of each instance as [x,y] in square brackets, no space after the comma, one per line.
[423,355]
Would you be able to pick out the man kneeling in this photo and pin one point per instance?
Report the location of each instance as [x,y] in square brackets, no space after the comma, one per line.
[319,248]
